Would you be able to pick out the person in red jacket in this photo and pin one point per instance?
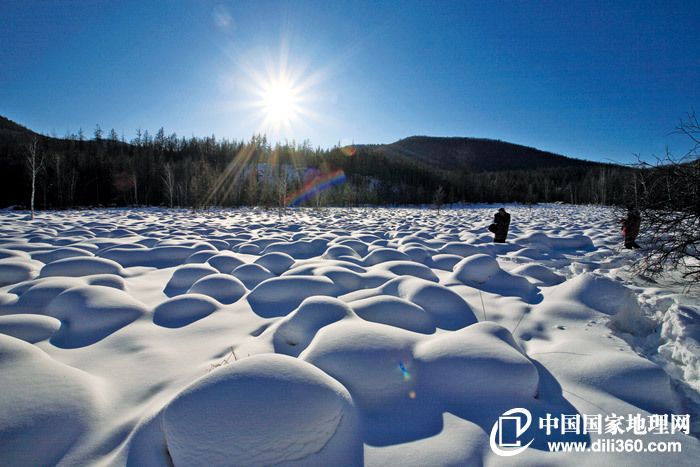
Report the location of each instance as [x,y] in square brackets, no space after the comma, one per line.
[630,227]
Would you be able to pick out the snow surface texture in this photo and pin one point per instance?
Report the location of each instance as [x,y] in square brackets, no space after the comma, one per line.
[333,337]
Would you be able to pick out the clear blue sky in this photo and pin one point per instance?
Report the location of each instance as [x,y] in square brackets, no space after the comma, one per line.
[596,80]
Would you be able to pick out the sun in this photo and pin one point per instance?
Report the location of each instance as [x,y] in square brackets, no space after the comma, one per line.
[280,94]
[280,103]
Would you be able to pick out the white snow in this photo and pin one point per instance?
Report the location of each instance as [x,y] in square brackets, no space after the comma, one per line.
[183,310]
[265,410]
[222,287]
[156,337]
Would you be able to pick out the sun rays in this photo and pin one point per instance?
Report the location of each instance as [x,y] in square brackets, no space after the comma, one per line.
[283,95]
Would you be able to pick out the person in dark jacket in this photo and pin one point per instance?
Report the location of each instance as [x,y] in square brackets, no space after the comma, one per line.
[630,227]
[501,221]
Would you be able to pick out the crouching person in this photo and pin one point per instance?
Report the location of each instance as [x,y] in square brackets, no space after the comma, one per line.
[501,222]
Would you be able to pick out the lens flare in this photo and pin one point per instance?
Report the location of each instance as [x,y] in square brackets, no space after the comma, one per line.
[316,183]
[348,150]
[404,371]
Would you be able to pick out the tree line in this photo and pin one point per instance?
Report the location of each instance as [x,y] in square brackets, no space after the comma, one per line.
[169,170]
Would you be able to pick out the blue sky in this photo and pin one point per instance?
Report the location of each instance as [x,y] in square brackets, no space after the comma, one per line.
[595,80]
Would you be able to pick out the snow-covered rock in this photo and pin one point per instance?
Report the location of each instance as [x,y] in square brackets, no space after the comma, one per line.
[183,310]
[264,410]
[81,266]
[90,313]
[46,406]
[184,277]
[280,295]
[222,287]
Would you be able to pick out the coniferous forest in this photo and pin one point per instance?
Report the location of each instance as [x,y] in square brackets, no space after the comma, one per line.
[161,169]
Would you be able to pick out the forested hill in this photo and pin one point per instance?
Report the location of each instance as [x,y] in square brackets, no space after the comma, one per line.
[8,128]
[104,169]
[473,154]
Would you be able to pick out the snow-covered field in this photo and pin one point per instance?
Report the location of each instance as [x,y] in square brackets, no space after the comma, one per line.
[333,337]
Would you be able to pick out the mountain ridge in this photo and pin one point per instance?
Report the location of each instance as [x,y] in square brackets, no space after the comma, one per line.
[474,154]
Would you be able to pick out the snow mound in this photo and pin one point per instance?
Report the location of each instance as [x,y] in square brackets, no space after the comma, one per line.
[483,272]
[276,262]
[222,287]
[35,296]
[108,280]
[247,249]
[381,255]
[344,279]
[12,254]
[301,249]
[531,253]
[600,293]
[407,268]
[294,332]
[606,296]
[264,410]
[448,310]
[185,276]
[339,251]
[358,246]
[394,311]
[201,256]
[81,266]
[446,262]
[460,249]
[13,271]
[615,372]
[476,269]
[280,295]
[225,262]
[479,363]
[6,299]
[623,375]
[550,242]
[366,358]
[161,256]
[542,276]
[418,254]
[90,313]
[183,310]
[42,401]
[60,253]
[29,328]
[251,274]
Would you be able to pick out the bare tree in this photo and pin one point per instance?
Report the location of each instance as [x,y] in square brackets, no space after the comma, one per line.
[439,198]
[168,178]
[57,159]
[73,182]
[668,197]
[282,188]
[135,185]
[34,165]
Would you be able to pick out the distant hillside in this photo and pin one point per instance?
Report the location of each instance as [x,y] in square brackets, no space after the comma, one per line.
[10,128]
[473,154]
